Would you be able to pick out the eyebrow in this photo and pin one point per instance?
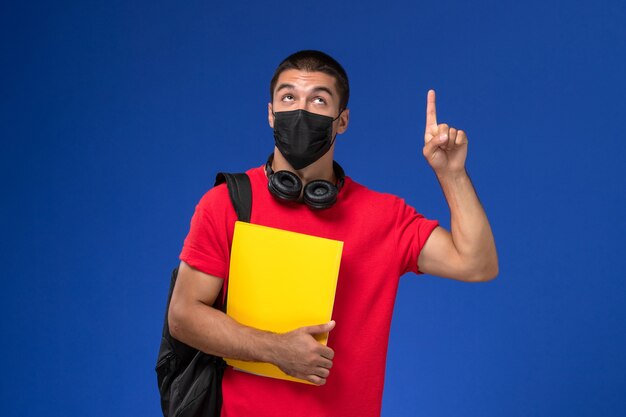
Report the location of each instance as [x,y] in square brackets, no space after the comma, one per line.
[283,86]
[326,89]
[315,90]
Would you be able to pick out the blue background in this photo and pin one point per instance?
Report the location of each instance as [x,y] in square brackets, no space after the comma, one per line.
[116,115]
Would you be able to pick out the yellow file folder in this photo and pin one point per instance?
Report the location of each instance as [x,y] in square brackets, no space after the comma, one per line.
[280,281]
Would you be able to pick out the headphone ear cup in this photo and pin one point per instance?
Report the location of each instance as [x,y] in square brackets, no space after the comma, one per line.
[285,185]
[320,194]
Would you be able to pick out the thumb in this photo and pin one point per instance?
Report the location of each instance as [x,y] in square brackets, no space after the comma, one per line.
[320,328]
[431,147]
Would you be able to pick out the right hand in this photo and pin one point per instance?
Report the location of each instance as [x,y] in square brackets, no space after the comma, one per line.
[445,148]
[300,355]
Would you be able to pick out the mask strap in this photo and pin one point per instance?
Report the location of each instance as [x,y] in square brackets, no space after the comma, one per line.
[335,137]
[339,115]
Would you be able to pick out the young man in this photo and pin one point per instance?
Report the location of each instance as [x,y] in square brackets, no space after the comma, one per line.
[383,239]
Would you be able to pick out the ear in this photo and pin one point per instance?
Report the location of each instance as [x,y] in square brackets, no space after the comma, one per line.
[344,118]
[270,115]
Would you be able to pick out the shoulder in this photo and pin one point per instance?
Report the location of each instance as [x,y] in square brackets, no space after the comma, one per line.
[214,199]
[217,197]
[360,194]
[384,210]
[216,203]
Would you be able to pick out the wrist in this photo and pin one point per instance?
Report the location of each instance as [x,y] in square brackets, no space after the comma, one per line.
[268,345]
[452,176]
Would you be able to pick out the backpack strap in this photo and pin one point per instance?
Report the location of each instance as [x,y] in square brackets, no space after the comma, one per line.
[240,193]
[181,368]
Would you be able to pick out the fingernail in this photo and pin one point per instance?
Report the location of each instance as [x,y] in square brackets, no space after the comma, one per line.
[443,138]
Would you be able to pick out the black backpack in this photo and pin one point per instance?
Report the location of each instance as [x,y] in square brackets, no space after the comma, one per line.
[190,381]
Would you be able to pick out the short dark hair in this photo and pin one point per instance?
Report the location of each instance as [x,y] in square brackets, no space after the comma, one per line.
[313,61]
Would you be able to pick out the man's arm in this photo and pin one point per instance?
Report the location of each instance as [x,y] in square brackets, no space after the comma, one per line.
[193,321]
[468,253]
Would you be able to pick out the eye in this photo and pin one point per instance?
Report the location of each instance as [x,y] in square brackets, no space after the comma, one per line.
[319,100]
[287,97]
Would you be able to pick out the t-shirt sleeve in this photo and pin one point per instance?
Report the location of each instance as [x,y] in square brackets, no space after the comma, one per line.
[413,230]
[207,245]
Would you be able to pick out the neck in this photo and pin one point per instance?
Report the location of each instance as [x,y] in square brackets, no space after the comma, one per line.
[322,169]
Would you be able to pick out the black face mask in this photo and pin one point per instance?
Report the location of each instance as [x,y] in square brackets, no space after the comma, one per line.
[303,137]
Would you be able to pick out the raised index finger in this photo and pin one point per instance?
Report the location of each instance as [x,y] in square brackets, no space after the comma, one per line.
[431,109]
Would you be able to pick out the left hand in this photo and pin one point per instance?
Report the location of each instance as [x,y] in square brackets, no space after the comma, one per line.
[445,148]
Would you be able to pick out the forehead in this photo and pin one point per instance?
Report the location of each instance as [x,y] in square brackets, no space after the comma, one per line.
[306,81]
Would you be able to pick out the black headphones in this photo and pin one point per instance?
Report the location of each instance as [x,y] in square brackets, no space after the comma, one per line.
[318,194]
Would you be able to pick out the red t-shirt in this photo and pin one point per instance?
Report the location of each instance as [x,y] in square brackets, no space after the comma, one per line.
[382,240]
